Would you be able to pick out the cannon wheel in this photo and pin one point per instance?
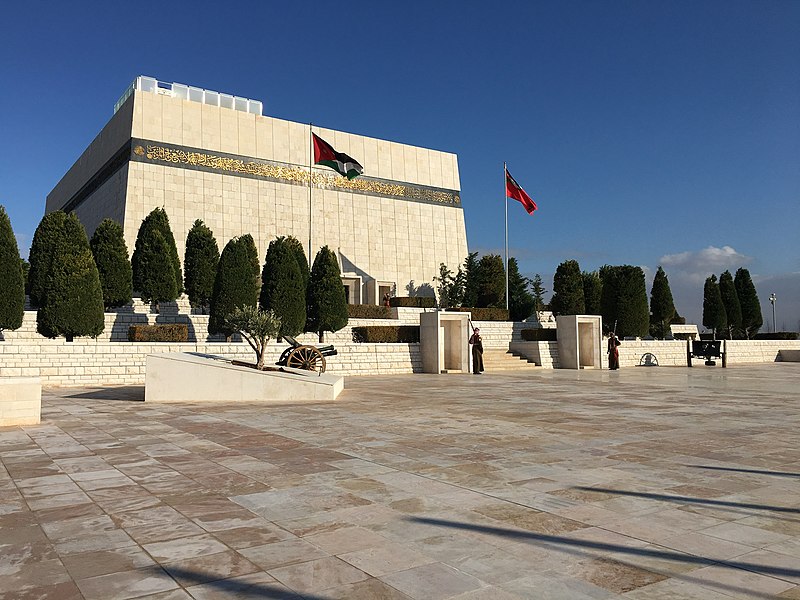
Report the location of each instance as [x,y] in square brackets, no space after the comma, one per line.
[306,357]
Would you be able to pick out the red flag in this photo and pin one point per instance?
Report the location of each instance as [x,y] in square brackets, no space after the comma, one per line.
[515,191]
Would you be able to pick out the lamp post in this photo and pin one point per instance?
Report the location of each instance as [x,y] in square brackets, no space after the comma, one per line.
[772,298]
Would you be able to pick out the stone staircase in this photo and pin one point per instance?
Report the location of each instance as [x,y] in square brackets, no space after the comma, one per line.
[496,360]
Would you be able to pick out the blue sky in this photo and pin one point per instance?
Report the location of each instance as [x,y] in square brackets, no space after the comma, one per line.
[648,132]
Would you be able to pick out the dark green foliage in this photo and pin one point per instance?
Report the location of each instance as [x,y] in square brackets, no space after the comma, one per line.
[73,300]
[26,269]
[386,334]
[300,256]
[662,307]
[166,332]
[733,311]
[200,264]
[158,221]
[282,289]
[368,311]
[471,269]
[539,335]
[48,236]
[235,284]
[12,278]
[568,290]
[156,281]
[713,310]
[413,301]
[326,304]
[623,300]
[491,282]
[749,303]
[538,291]
[111,256]
[450,288]
[592,289]
[484,314]
[777,335]
[520,301]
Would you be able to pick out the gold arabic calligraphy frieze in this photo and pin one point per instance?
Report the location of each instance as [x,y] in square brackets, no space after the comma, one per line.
[195,159]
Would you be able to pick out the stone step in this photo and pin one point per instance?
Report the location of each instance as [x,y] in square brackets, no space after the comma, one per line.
[503,360]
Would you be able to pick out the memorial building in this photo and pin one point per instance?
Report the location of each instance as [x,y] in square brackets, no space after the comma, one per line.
[201,154]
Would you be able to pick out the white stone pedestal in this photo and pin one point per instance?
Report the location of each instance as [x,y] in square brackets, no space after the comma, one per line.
[20,401]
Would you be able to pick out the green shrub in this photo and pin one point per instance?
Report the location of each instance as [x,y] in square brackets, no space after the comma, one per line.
[12,288]
[47,237]
[386,334]
[73,298]
[368,311]
[413,302]
[777,335]
[326,303]
[167,332]
[484,314]
[539,335]
[283,287]
[200,264]
[236,283]
[142,262]
[111,256]
[156,281]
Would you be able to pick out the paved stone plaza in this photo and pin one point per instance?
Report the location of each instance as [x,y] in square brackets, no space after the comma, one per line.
[662,483]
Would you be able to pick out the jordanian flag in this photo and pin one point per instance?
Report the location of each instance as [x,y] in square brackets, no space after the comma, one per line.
[515,191]
[324,154]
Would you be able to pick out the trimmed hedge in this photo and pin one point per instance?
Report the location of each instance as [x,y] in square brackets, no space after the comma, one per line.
[778,335]
[539,335]
[413,302]
[484,314]
[368,311]
[172,332]
[386,334]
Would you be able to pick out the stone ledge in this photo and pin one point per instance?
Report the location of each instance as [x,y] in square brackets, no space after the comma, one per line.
[20,401]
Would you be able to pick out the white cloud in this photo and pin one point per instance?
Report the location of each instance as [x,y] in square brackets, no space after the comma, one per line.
[695,266]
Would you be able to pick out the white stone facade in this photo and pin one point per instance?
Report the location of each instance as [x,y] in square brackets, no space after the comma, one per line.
[162,151]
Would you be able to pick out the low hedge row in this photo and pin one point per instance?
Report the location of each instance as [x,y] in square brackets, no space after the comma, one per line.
[484,314]
[539,335]
[777,335]
[386,334]
[172,332]
[368,311]
[414,302]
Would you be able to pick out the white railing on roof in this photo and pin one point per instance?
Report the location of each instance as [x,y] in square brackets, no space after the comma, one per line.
[193,94]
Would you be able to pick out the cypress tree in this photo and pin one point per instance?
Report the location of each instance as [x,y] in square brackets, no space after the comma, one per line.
[111,256]
[235,284]
[471,276]
[538,292]
[568,290]
[632,310]
[300,256]
[713,310]
[157,220]
[491,282]
[73,302]
[282,287]
[200,264]
[609,276]
[157,281]
[662,307]
[26,268]
[748,301]
[12,289]
[592,289]
[327,305]
[47,237]
[520,302]
[733,310]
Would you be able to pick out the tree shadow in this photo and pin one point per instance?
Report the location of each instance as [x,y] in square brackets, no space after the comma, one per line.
[754,471]
[582,548]
[691,500]
[236,587]
[124,393]
[122,323]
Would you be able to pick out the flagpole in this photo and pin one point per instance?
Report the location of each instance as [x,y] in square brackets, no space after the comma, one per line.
[310,212]
[505,201]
